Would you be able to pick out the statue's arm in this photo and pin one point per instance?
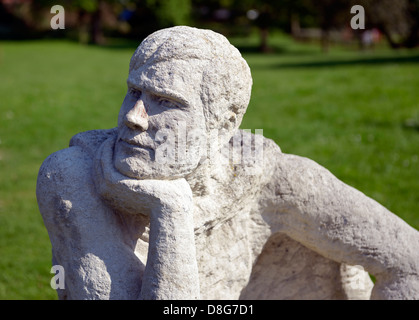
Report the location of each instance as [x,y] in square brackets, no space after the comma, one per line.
[171,271]
[58,199]
[315,208]
[88,239]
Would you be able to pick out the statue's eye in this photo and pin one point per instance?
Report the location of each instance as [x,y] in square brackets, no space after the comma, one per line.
[168,103]
[135,93]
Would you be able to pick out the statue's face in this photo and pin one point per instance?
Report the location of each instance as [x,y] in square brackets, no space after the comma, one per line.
[160,125]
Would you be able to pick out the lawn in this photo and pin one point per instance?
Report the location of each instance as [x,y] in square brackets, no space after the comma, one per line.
[356,113]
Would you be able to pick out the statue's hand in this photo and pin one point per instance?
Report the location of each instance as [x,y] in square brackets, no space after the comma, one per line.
[171,271]
[156,195]
[147,196]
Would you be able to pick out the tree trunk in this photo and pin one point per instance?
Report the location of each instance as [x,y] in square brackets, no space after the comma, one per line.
[264,47]
[387,34]
[325,41]
[96,33]
[295,26]
[413,40]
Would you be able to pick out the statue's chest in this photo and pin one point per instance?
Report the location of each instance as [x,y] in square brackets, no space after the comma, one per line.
[224,259]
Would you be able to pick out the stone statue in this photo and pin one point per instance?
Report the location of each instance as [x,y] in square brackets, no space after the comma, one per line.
[178,203]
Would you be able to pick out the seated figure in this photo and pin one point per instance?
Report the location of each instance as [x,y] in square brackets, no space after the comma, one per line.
[178,203]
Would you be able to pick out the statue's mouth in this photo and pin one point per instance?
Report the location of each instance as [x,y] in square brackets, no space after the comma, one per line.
[132,143]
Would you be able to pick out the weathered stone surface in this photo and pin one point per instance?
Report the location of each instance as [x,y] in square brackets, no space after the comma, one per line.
[177,203]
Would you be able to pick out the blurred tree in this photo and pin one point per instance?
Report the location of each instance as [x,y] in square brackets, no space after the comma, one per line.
[413,38]
[90,19]
[268,12]
[11,26]
[289,14]
[389,16]
[150,15]
[330,14]
[266,15]
[170,13]
[89,16]
[397,20]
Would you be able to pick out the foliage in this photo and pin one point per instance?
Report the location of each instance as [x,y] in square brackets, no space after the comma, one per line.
[170,13]
[389,16]
[86,5]
[397,20]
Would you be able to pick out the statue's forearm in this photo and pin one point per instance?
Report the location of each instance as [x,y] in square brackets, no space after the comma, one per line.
[171,271]
[344,225]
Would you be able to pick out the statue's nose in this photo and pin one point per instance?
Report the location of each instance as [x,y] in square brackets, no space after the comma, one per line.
[137,117]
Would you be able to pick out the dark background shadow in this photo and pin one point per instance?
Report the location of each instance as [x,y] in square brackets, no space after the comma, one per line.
[352,62]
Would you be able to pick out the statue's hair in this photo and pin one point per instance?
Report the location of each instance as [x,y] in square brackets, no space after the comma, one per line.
[226,79]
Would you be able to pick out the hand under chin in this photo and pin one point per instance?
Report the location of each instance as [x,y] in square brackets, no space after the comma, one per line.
[136,192]
[143,167]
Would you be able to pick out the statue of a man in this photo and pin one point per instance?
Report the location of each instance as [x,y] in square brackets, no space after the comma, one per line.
[158,208]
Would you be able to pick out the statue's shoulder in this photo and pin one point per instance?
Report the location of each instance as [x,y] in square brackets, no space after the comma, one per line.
[253,157]
[89,141]
[82,148]
[70,168]
[258,151]
[256,143]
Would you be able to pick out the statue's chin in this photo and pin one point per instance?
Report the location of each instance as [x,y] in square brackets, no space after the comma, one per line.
[140,163]
[141,169]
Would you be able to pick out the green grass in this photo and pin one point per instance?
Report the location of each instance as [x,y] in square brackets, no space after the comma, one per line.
[49,91]
[355,113]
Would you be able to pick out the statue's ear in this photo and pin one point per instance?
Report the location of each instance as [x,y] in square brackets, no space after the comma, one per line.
[230,121]
[233,118]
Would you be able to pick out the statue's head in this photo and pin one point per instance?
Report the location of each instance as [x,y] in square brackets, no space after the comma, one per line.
[183,83]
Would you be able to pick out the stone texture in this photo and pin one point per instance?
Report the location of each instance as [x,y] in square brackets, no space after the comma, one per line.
[143,211]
